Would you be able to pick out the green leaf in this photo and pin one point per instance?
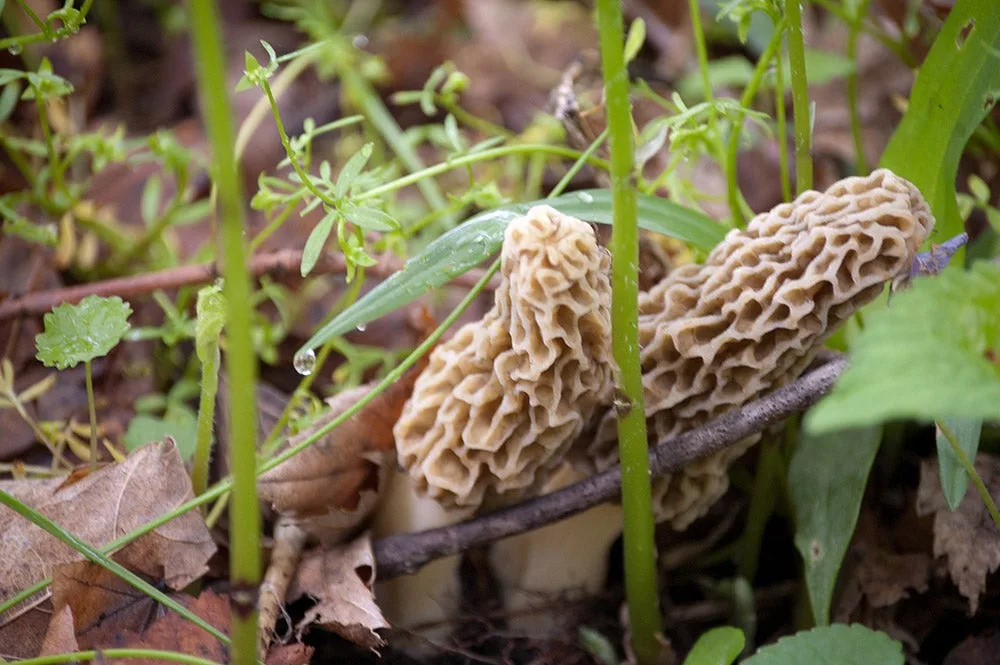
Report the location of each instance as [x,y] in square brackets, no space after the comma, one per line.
[598,646]
[954,479]
[316,241]
[719,646]
[930,356]
[352,169]
[179,422]
[944,108]
[8,99]
[634,40]
[826,481]
[79,333]
[462,248]
[370,218]
[832,645]
[211,319]
[150,203]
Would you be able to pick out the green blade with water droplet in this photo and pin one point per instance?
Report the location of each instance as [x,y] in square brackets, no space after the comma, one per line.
[467,245]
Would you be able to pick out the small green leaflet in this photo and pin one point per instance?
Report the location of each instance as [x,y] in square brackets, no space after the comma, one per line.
[932,355]
[469,244]
[832,645]
[719,646]
[316,241]
[82,332]
[826,481]
[180,423]
[211,318]
[954,479]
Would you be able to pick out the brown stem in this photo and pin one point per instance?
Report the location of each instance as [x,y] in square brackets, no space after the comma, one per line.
[405,553]
[279,263]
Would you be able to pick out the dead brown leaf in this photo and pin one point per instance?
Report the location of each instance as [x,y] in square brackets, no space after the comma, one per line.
[886,578]
[61,637]
[340,579]
[289,654]
[967,536]
[98,509]
[333,484]
[975,650]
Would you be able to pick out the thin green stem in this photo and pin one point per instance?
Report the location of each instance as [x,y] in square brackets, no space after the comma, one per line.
[206,417]
[699,46]
[485,155]
[95,556]
[800,96]
[87,656]
[578,164]
[244,545]
[970,469]
[50,144]
[854,28]
[898,48]
[641,588]
[156,229]
[746,99]
[779,105]
[92,407]
[766,490]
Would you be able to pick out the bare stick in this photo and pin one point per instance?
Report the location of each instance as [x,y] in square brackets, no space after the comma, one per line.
[279,263]
[403,554]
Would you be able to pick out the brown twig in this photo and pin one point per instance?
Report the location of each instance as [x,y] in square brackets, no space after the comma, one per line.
[406,553]
[279,263]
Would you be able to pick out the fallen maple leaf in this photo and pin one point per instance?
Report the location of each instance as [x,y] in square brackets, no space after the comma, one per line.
[340,578]
[967,536]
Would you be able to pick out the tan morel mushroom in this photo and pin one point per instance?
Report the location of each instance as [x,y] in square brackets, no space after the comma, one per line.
[753,316]
[501,402]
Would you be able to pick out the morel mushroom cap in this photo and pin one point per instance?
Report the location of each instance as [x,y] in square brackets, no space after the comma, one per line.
[500,403]
[751,318]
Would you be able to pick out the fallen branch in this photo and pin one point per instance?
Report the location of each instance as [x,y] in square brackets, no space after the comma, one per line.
[280,263]
[404,554]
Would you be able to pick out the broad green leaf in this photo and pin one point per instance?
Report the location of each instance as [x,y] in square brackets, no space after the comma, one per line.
[82,332]
[211,318]
[467,245]
[826,481]
[352,169]
[719,646]
[179,422]
[954,479]
[316,241]
[932,355]
[838,644]
[958,84]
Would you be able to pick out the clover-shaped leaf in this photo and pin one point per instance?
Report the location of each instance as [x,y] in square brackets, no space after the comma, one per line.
[82,332]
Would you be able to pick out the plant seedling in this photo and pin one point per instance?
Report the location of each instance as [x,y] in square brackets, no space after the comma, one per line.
[80,333]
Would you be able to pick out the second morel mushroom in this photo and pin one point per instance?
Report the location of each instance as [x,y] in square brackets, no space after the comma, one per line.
[500,403]
[752,318]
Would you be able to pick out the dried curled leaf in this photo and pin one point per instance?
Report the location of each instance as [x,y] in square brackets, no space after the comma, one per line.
[753,316]
[502,401]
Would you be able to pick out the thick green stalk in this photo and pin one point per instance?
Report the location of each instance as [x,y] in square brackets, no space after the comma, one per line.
[641,588]
[800,96]
[92,408]
[854,29]
[244,545]
[779,106]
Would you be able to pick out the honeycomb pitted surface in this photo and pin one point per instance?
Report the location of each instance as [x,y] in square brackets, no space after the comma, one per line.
[718,335]
[500,403]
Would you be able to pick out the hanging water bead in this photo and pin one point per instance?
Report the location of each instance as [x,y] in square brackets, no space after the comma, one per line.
[304,362]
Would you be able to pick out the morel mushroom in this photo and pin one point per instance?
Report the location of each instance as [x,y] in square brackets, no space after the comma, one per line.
[500,403]
[754,315]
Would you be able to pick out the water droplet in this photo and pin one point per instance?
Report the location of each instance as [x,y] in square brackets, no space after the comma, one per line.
[360,41]
[362,327]
[15,49]
[586,197]
[304,362]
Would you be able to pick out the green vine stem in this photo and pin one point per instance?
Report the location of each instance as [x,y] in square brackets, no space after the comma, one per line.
[641,588]
[800,96]
[779,106]
[244,545]
[970,469]
[854,29]
[92,408]
[88,656]
[746,99]
[206,417]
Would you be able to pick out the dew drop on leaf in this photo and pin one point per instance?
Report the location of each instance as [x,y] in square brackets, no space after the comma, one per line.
[361,327]
[304,362]
[586,197]
[15,49]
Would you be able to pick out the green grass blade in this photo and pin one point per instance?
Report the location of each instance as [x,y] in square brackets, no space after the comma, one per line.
[466,246]
[958,84]
[954,479]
